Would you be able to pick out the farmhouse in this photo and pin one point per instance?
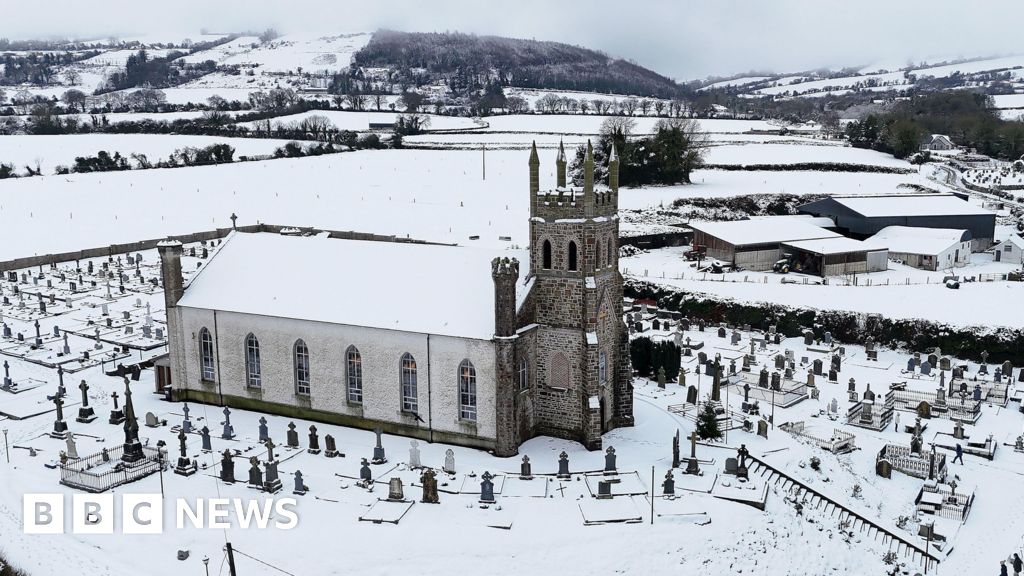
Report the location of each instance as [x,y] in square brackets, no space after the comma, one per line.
[1010,250]
[864,216]
[925,248]
[937,142]
[443,343]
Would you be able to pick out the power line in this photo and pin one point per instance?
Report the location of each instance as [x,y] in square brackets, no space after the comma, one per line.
[237,551]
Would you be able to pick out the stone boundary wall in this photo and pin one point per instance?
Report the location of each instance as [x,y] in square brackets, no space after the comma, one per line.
[204,236]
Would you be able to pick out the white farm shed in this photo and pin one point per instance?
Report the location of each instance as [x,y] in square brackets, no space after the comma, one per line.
[754,244]
[836,256]
[925,248]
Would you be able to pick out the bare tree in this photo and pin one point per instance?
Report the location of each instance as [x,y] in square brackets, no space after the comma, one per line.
[356,101]
[316,125]
[584,105]
[645,106]
[216,102]
[74,98]
[549,103]
[379,101]
[621,126]
[659,107]
[72,77]
[412,101]
[572,105]
[516,104]
[629,105]
[600,106]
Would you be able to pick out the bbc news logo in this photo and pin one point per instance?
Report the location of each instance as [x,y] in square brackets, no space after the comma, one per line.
[144,513]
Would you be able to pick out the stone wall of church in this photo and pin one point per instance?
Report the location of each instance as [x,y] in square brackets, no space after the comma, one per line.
[381,352]
[560,393]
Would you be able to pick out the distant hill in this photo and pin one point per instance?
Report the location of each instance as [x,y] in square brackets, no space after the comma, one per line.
[463,60]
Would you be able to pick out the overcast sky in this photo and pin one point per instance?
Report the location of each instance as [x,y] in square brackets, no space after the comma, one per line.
[683,39]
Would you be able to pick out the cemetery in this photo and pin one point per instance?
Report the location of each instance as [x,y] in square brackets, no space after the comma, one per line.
[797,438]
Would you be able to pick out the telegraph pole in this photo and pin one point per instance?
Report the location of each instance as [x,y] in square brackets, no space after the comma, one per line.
[231,560]
[483,160]
[7,450]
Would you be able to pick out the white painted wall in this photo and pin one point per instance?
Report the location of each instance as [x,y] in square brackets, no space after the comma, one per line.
[381,352]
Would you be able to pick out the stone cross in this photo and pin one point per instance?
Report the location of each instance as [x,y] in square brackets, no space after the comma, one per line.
[563,465]
[270,449]
[429,482]
[84,387]
[228,432]
[609,460]
[414,454]
[205,433]
[181,443]
[449,461]
[186,424]
[264,431]
[525,470]
[378,450]
[487,488]
[114,396]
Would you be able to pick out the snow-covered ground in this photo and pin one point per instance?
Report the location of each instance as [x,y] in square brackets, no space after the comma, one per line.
[535,525]
[591,124]
[48,152]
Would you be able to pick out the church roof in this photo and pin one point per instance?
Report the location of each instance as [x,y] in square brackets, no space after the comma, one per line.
[422,288]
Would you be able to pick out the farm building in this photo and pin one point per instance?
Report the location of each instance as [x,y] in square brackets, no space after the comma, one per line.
[926,248]
[754,244]
[1010,250]
[835,256]
[864,216]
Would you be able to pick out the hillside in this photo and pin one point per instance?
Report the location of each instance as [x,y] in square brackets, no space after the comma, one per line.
[464,59]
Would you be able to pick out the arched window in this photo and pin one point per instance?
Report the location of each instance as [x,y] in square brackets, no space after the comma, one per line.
[301,368]
[572,256]
[546,256]
[602,369]
[611,252]
[206,355]
[354,374]
[467,391]
[253,376]
[410,396]
[558,371]
[524,374]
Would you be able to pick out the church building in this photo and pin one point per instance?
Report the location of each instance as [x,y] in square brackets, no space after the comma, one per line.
[461,345]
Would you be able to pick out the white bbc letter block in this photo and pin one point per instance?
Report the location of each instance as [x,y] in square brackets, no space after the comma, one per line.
[43,513]
[142,514]
[92,514]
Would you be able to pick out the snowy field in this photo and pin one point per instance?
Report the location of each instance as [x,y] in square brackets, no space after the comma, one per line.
[48,152]
[794,154]
[360,121]
[311,53]
[977,304]
[425,194]
[589,124]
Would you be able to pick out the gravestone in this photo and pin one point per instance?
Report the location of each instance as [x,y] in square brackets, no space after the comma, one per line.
[604,489]
[731,464]
[185,466]
[563,465]
[263,430]
[414,454]
[395,490]
[449,461]
[721,331]
[314,441]
[487,488]
[944,363]
[152,421]
[958,430]
[292,436]
[808,338]
[675,450]
[378,450]
[429,482]
[668,487]
[229,431]
[85,413]
[609,460]
[300,488]
[924,409]
[691,394]
[205,434]
[692,465]
[926,368]
[116,415]
[776,381]
[227,465]
[762,378]
[525,470]
[186,424]
[330,447]
[365,475]
[833,375]
[817,366]
[762,428]
[883,468]
[780,362]
[72,450]
[255,474]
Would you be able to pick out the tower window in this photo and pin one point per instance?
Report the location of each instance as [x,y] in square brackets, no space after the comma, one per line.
[572,256]
[546,256]
[611,253]
[524,374]
[602,369]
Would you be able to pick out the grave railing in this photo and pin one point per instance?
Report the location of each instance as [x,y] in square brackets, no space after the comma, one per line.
[80,473]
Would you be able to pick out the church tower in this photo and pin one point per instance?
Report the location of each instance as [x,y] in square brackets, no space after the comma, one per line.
[581,347]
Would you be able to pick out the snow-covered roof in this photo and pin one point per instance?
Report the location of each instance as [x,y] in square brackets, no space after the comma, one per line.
[1015,240]
[821,221]
[837,245]
[762,231]
[429,289]
[910,240]
[910,205]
